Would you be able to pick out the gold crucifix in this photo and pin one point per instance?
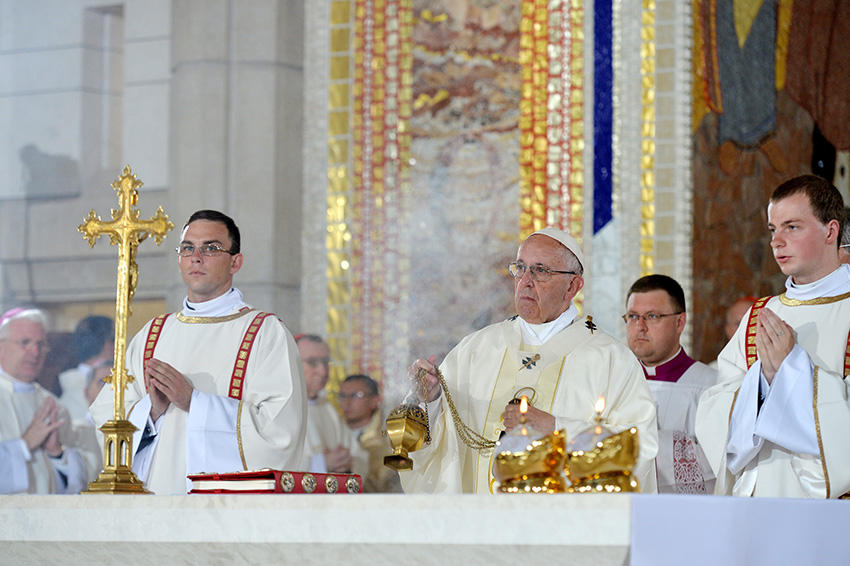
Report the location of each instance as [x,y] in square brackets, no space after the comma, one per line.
[127,231]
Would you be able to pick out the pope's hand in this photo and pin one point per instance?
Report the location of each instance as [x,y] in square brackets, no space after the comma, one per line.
[535,418]
[432,384]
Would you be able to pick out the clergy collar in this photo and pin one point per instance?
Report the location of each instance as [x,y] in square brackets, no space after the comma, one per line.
[835,283]
[670,370]
[17,385]
[227,303]
[539,334]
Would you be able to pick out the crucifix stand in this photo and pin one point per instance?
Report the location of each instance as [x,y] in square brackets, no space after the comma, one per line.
[127,231]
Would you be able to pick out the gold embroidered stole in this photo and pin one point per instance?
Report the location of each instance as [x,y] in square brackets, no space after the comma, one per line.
[752,324]
[237,376]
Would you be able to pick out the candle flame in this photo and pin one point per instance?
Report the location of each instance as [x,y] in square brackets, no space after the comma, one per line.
[600,404]
[523,405]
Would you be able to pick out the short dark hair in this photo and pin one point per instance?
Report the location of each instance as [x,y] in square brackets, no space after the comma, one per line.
[658,282]
[309,337]
[371,384]
[826,202]
[216,216]
[91,334]
[845,233]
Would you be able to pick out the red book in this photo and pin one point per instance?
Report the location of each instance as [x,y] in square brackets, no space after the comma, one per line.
[275,481]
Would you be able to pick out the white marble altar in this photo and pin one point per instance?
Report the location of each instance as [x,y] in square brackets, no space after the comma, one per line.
[313,529]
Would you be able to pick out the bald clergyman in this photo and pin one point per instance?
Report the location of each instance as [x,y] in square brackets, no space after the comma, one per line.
[560,360]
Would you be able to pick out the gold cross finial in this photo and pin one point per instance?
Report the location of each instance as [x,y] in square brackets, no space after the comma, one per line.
[127,232]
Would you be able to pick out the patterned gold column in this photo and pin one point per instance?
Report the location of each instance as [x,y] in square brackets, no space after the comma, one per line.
[381,114]
[552,116]
[647,161]
[339,190]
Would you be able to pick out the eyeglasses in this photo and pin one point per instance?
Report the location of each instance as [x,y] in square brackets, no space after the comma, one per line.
[648,319]
[209,250]
[316,362]
[355,395]
[26,343]
[539,273]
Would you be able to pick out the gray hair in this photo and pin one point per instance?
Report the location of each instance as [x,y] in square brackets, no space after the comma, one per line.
[33,315]
[845,237]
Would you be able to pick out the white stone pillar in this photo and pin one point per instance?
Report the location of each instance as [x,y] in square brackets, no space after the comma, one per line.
[236,132]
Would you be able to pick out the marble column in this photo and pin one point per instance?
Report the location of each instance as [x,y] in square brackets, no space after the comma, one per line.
[236,133]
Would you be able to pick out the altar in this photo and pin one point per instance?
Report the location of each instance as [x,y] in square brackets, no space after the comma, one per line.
[597,530]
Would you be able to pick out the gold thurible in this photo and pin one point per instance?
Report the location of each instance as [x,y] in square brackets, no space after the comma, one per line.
[127,231]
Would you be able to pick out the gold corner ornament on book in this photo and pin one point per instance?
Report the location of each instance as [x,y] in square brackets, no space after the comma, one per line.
[274,481]
[126,231]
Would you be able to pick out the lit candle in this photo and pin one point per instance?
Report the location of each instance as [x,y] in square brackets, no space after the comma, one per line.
[600,406]
[523,409]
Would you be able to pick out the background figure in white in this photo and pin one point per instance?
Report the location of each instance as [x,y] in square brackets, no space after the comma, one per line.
[42,452]
[360,402]
[655,318]
[329,441]
[94,341]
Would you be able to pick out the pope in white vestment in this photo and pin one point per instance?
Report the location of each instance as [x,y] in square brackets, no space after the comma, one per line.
[575,367]
[559,360]
[796,444]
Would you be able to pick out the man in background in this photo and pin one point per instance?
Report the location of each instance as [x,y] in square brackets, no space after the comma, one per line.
[360,401]
[328,444]
[94,341]
[40,451]
[655,319]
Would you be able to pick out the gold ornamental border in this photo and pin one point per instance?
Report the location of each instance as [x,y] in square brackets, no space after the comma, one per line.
[552,116]
[368,180]
[647,138]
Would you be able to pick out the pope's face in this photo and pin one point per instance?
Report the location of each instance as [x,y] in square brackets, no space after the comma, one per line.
[804,248]
[22,352]
[654,341]
[316,359]
[207,277]
[538,302]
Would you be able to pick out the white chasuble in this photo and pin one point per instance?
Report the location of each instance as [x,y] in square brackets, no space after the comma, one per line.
[483,374]
[796,443]
[40,474]
[265,429]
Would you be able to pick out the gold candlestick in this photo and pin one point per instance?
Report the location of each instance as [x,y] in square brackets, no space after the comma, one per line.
[127,231]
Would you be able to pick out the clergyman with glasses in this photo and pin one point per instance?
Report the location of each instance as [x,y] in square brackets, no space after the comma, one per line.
[219,384]
[559,360]
[655,318]
[40,451]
